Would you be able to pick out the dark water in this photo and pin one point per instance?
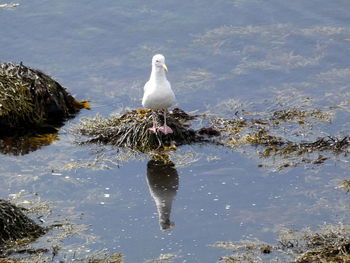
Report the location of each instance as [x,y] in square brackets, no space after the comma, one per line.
[262,54]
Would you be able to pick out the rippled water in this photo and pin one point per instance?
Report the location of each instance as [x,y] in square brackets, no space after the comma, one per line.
[222,55]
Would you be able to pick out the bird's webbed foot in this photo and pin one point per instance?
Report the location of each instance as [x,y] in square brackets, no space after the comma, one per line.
[165,129]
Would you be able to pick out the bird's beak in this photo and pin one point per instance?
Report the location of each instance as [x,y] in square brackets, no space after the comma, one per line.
[165,67]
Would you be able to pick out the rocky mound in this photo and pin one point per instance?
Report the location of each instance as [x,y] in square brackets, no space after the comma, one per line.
[15,225]
[29,98]
[131,130]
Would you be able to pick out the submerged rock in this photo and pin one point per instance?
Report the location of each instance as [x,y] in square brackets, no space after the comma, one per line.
[31,99]
[131,130]
[15,225]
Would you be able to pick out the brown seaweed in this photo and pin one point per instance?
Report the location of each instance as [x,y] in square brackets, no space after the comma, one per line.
[131,130]
[15,225]
[329,243]
[31,99]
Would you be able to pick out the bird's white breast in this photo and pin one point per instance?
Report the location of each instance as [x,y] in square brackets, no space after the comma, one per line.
[158,94]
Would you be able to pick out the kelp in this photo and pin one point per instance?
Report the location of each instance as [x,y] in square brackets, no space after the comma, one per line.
[269,134]
[31,99]
[293,113]
[345,185]
[105,258]
[329,143]
[329,243]
[16,226]
[32,108]
[131,130]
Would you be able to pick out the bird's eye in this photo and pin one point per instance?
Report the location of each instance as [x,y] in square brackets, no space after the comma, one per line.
[157,60]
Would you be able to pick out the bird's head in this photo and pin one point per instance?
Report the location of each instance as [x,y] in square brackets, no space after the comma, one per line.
[158,61]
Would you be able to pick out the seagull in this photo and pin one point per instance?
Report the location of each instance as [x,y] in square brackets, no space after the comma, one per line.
[158,93]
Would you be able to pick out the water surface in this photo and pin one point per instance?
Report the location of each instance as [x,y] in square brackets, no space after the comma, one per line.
[250,54]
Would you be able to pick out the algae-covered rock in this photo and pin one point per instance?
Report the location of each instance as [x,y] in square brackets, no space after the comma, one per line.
[31,99]
[131,130]
[15,225]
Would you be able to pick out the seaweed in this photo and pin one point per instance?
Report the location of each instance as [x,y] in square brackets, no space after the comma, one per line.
[272,138]
[293,113]
[131,130]
[345,185]
[15,226]
[33,107]
[268,133]
[105,258]
[31,99]
[329,243]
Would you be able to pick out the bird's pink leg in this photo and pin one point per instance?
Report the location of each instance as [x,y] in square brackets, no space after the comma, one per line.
[165,128]
[154,127]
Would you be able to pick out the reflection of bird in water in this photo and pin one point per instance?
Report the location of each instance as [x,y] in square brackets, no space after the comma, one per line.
[158,93]
[163,182]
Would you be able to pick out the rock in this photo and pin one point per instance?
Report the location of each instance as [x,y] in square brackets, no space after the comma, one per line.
[131,130]
[31,99]
[15,225]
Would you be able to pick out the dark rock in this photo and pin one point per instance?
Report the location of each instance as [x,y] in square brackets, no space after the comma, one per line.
[131,130]
[31,99]
[15,225]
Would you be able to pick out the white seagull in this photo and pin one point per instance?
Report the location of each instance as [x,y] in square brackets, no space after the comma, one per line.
[158,93]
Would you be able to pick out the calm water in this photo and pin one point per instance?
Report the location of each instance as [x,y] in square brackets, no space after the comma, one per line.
[218,53]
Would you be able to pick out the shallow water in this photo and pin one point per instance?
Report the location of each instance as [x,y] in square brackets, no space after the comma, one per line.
[222,56]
